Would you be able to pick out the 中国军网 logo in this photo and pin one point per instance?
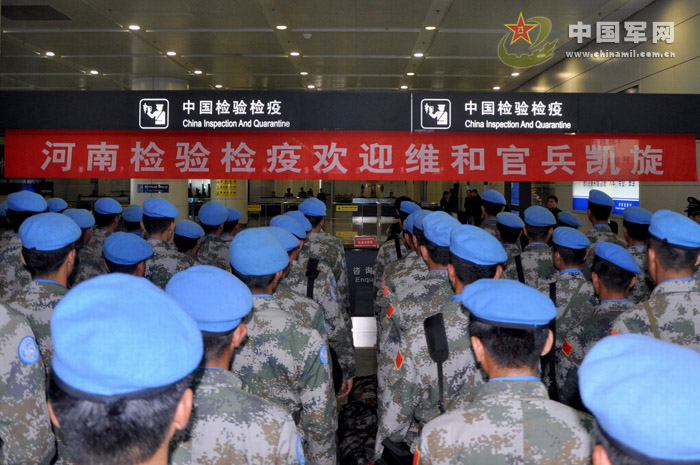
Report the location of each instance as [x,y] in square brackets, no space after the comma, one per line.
[518,49]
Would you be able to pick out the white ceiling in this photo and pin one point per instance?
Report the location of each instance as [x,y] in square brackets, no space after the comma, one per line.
[343,44]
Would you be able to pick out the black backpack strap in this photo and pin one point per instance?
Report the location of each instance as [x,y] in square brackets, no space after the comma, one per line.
[551,357]
[553,292]
[519,268]
[397,242]
[311,273]
[436,339]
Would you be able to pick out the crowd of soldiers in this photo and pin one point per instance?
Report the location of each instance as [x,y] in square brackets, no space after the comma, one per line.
[233,346]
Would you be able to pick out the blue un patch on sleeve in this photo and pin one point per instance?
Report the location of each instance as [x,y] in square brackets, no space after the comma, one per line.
[28,351]
[300,451]
[323,354]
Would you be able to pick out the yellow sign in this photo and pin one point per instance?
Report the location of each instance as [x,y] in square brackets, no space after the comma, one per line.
[343,234]
[346,208]
[255,208]
[226,188]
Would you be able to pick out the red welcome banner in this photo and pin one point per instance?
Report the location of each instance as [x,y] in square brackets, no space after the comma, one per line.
[350,155]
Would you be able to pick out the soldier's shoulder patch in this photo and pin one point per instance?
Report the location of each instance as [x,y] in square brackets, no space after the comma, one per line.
[567,348]
[614,333]
[300,451]
[28,350]
[323,354]
[390,311]
[399,360]
[386,288]
[416,457]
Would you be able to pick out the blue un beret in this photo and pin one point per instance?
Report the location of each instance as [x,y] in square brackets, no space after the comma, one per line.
[409,207]
[539,216]
[108,206]
[493,196]
[25,201]
[476,245]
[155,207]
[299,216]
[126,249]
[288,240]
[213,213]
[569,219]
[617,256]
[133,213]
[636,215]
[313,207]
[56,205]
[187,228]
[3,208]
[418,220]
[505,302]
[570,237]
[437,227]
[600,198]
[49,231]
[408,224]
[119,335]
[257,252]
[510,219]
[82,217]
[675,228]
[290,224]
[233,215]
[201,289]
[644,394]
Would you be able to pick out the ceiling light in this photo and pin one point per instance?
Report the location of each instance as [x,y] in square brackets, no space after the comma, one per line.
[50,54]
[218,86]
[311,86]
[496,87]
[94,71]
[281,27]
[404,87]
[410,74]
[418,55]
[294,54]
[430,28]
[171,54]
[515,74]
[304,73]
[134,27]
[197,71]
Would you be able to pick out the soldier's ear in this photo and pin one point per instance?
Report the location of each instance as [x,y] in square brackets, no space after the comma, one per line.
[632,283]
[600,456]
[21,257]
[697,260]
[550,342]
[479,350]
[182,411]
[238,334]
[499,272]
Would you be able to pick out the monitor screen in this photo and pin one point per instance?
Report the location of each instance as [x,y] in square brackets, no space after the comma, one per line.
[624,193]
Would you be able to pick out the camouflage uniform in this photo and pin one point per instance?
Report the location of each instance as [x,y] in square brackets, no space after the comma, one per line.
[97,241]
[25,429]
[326,247]
[578,341]
[386,255]
[36,302]
[214,252]
[412,393]
[7,234]
[13,274]
[337,320]
[89,266]
[642,289]
[575,300]
[302,309]
[538,268]
[489,225]
[509,422]
[230,426]
[227,238]
[675,304]
[513,250]
[599,233]
[287,363]
[165,262]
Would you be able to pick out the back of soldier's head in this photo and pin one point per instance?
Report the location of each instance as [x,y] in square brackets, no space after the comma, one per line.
[47,241]
[187,235]
[600,204]
[614,266]
[256,256]
[675,240]
[510,319]
[21,205]
[397,205]
[126,252]
[571,245]
[510,227]
[475,254]
[437,227]
[538,222]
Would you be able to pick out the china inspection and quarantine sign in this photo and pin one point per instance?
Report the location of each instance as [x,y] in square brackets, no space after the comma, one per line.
[360,155]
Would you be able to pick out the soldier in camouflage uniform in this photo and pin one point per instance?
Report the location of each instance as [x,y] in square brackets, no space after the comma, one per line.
[565,218]
[13,275]
[188,237]
[412,393]
[159,221]
[600,206]
[87,265]
[127,253]
[511,420]
[673,309]
[49,254]
[228,425]
[326,247]
[614,273]
[536,258]
[492,203]
[213,250]
[132,216]
[509,228]
[231,225]
[107,215]
[25,429]
[635,226]
[283,360]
